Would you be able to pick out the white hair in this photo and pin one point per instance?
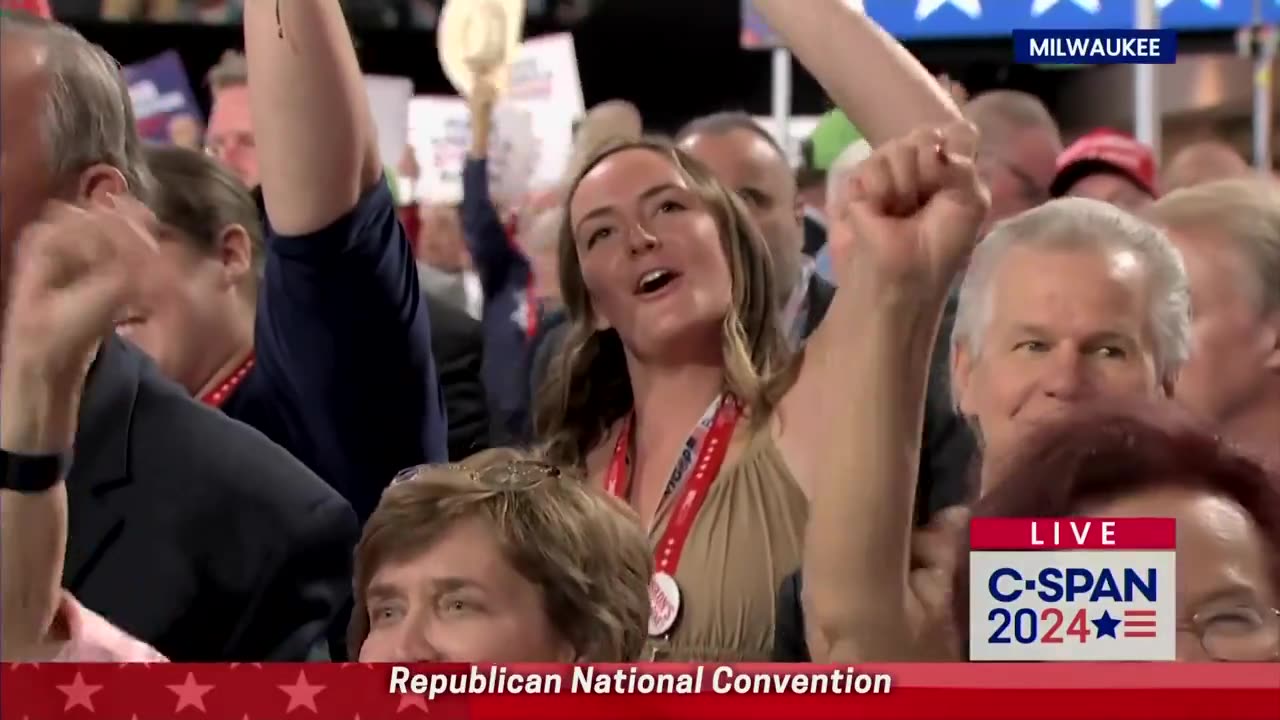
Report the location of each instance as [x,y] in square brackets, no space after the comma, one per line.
[841,170]
[1083,224]
[87,114]
[1243,211]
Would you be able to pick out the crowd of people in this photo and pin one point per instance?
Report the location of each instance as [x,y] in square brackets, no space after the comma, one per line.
[689,404]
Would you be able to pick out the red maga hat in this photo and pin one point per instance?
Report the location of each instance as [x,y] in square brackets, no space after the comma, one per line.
[39,8]
[1105,151]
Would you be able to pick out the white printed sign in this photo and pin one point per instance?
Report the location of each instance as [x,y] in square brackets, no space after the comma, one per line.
[389,98]
[440,133]
[533,127]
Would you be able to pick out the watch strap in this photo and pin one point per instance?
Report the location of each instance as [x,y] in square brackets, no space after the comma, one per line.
[31,473]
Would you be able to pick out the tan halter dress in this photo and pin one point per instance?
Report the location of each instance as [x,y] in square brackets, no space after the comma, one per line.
[744,541]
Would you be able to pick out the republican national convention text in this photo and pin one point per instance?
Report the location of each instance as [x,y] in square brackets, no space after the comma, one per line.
[588,680]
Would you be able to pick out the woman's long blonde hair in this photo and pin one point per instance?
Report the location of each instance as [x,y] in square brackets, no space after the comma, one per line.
[587,387]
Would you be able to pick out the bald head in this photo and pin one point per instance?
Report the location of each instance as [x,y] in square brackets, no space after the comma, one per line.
[1203,162]
[606,123]
[750,163]
[1019,151]
[617,116]
[998,114]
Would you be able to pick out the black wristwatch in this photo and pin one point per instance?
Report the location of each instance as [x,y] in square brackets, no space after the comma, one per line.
[31,473]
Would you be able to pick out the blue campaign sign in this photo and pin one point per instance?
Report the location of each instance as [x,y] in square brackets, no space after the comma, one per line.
[163,101]
[942,19]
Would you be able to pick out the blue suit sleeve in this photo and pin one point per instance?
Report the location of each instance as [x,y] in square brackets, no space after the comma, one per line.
[495,259]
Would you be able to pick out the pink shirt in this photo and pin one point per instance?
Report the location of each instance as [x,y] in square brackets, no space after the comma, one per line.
[91,638]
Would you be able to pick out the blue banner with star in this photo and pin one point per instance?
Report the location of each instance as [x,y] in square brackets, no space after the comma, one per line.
[956,19]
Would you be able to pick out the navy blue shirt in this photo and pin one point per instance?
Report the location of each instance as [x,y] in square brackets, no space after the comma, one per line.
[344,377]
[505,275]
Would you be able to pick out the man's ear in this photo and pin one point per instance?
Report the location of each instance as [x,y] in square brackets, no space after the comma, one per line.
[98,183]
[568,653]
[1271,359]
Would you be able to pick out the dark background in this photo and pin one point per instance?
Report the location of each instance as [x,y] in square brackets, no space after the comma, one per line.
[672,62]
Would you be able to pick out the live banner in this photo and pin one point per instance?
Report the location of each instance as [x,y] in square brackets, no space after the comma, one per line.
[1040,691]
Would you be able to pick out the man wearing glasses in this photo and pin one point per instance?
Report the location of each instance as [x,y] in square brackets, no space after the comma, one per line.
[1236,632]
[230,138]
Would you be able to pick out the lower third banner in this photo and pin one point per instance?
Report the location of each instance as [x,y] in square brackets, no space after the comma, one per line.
[1164,691]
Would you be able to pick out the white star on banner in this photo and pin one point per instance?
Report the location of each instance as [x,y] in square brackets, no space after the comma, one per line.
[302,694]
[410,700]
[1040,7]
[190,693]
[925,8]
[1211,4]
[79,693]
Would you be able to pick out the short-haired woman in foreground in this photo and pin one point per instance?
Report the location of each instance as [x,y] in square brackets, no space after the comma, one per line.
[500,558]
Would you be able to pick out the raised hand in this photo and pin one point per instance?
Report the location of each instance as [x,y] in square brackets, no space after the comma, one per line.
[934,552]
[76,269]
[914,210]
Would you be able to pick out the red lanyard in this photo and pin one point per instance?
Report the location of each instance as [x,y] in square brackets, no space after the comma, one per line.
[531,309]
[697,468]
[215,397]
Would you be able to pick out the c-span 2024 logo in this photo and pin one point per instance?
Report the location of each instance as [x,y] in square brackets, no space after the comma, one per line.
[1071,589]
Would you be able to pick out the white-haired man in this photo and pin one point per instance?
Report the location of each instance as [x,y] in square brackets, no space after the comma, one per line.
[1069,302]
[1229,235]
[1065,303]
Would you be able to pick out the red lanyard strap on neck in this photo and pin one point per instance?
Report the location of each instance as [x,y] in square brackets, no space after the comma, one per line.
[699,464]
[217,396]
